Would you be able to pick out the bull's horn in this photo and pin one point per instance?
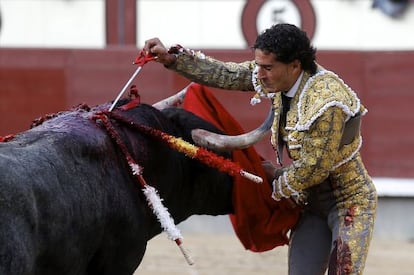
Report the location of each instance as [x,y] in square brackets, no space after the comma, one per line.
[173,100]
[219,142]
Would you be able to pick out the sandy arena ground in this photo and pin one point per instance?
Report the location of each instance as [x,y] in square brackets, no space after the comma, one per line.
[222,254]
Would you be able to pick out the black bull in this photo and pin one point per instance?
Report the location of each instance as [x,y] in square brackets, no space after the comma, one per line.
[68,201]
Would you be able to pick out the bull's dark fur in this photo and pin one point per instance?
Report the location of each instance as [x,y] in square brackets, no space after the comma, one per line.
[68,202]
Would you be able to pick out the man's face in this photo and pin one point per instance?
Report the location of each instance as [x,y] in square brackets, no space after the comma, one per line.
[274,75]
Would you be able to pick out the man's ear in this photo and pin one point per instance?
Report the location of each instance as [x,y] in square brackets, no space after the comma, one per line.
[296,64]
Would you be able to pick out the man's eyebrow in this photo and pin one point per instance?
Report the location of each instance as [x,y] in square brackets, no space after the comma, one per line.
[264,65]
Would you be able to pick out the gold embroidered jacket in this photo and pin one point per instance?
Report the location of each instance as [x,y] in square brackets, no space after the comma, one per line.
[314,127]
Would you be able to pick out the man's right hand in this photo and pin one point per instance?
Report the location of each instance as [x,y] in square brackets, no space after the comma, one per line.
[155,47]
[270,170]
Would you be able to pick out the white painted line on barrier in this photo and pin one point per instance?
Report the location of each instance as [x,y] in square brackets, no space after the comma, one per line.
[394,187]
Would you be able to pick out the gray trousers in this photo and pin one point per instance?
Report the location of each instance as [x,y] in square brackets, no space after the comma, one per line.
[320,239]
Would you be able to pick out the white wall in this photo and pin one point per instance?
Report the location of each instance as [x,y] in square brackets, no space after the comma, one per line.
[52,23]
[198,24]
[356,25]
[340,24]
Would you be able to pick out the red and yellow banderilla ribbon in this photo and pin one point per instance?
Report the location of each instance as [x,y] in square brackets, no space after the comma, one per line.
[201,154]
[151,194]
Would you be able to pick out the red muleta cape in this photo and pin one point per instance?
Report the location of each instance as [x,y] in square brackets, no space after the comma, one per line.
[259,222]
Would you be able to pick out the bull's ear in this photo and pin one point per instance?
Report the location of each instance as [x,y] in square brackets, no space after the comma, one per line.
[225,143]
[174,116]
[186,121]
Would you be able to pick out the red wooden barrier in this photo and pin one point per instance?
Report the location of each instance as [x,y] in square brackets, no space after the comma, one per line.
[34,82]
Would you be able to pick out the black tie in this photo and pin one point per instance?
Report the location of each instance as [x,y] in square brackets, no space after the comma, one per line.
[285,108]
[282,122]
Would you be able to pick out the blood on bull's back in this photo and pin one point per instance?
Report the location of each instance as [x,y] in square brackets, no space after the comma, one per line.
[68,201]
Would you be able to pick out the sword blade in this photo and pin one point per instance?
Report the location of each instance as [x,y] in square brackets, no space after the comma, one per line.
[125,87]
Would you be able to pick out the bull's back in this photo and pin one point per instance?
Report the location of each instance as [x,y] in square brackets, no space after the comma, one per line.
[70,204]
[60,194]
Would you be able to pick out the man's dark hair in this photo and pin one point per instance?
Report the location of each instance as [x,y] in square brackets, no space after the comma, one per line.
[288,43]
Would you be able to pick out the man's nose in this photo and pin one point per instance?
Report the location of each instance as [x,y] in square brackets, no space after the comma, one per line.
[261,73]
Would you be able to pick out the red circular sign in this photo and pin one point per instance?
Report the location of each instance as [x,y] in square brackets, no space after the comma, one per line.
[251,11]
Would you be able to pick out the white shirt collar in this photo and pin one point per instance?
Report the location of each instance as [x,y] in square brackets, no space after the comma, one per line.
[294,89]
